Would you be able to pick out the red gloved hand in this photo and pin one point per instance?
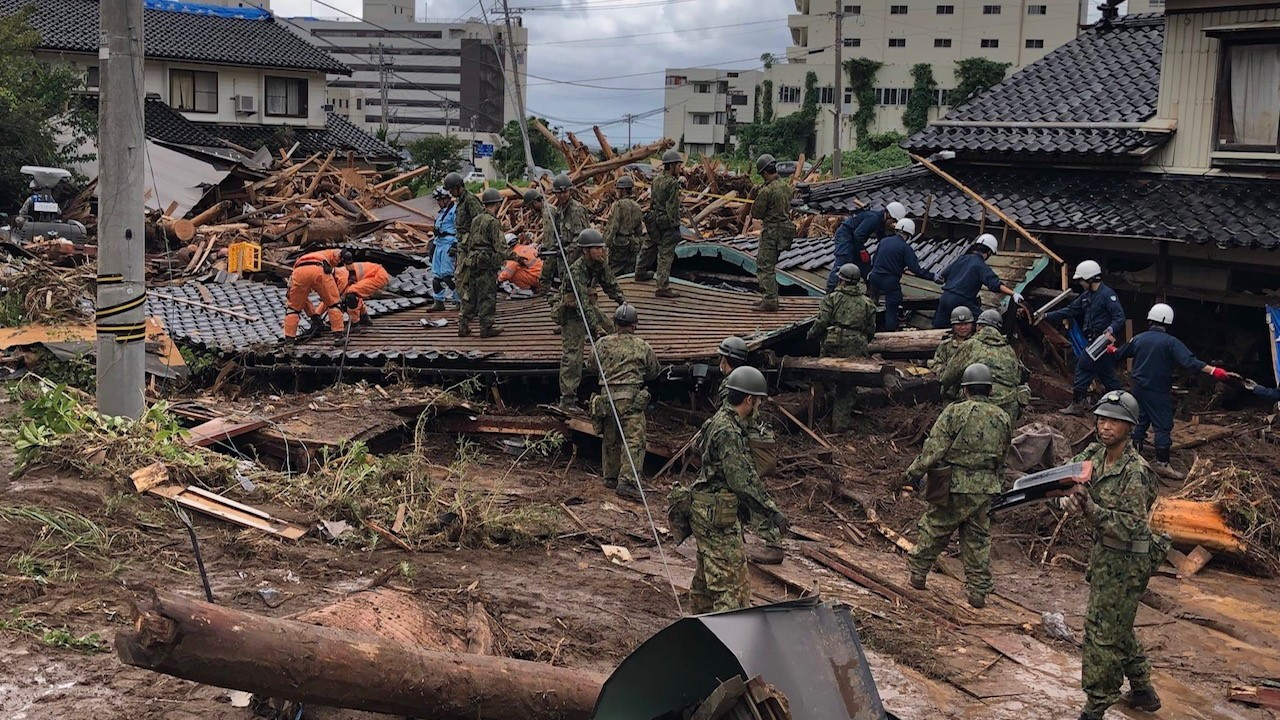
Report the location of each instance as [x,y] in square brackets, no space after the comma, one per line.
[864,256]
[1112,349]
[1219,374]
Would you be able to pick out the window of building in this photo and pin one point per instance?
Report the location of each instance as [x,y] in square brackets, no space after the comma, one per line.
[788,93]
[359,104]
[897,42]
[92,77]
[990,9]
[897,9]
[852,9]
[720,118]
[738,99]
[848,98]
[286,97]
[1249,98]
[702,88]
[701,119]
[826,95]
[193,91]
[990,43]
[722,87]
[941,97]
[942,42]
[852,42]
[946,9]
[892,96]
[1037,9]
[674,80]
[1034,44]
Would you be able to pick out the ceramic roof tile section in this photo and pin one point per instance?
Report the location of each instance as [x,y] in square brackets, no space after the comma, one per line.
[1195,209]
[1105,75]
[165,124]
[72,26]
[338,134]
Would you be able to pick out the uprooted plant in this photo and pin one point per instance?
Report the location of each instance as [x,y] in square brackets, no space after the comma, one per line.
[37,292]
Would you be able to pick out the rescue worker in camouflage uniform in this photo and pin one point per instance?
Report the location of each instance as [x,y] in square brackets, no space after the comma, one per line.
[468,209]
[587,273]
[846,323]
[628,363]
[663,225]
[772,208]
[972,437]
[1117,502]
[564,218]
[728,489]
[991,348]
[962,328]
[483,250]
[625,230]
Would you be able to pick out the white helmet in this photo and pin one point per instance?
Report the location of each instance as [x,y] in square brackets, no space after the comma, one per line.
[906,226]
[988,241]
[1161,313]
[896,210]
[1087,270]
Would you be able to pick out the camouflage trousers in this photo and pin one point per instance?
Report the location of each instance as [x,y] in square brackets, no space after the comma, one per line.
[573,338]
[767,264]
[844,397]
[1111,650]
[966,512]
[617,468]
[720,580]
[622,255]
[477,294]
[659,247]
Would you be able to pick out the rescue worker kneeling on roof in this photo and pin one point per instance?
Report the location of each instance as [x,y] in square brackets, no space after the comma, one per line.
[314,272]
[357,283]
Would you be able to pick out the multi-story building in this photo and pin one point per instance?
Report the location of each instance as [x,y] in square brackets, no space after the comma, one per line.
[899,34]
[704,105]
[435,76]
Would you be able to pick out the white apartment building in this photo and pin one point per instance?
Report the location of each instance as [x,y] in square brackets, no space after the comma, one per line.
[899,34]
[704,105]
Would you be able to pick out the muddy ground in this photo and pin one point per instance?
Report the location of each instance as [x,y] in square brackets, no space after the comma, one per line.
[561,601]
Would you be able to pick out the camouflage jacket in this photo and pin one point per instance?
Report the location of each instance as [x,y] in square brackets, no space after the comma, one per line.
[990,348]
[773,206]
[627,359]
[569,221]
[587,276]
[728,465]
[626,221]
[484,245]
[1123,494]
[972,436]
[941,358]
[846,321]
[469,208]
[664,201]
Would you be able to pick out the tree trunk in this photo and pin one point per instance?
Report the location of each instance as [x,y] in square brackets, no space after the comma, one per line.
[324,229]
[214,645]
[1192,522]
[867,373]
[907,343]
[640,153]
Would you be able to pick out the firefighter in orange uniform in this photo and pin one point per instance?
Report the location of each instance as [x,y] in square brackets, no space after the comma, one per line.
[314,272]
[524,271]
[357,283]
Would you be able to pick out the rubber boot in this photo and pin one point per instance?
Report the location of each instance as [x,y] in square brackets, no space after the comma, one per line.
[1078,406]
[917,582]
[1162,466]
[1145,700]
[464,330]
[666,292]
[490,332]
[629,490]
[766,554]
[611,483]
[569,404]
[366,321]
[645,276]
[436,306]
[977,601]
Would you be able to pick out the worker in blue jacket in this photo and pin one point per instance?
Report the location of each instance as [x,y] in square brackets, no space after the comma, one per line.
[894,256]
[1096,311]
[1156,354]
[963,279]
[442,256]
[855,231]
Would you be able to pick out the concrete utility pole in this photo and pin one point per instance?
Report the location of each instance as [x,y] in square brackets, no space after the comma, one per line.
[630,121]
[448,112]
[513,63]
[383,71]
[122,285]
[473,140]
[837,97]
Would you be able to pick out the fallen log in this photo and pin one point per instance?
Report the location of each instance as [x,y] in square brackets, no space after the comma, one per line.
[867,373]
[907,343]
[180,229]
[275,657]
[1195,522]
[634,155]
[323,229]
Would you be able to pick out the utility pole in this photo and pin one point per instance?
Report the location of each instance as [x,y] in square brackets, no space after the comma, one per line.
[384,65]
[473,140]
[630,119]
[122,285]
[513,63]
[837,97]
[448,108]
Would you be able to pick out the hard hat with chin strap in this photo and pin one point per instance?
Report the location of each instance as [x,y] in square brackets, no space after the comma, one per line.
[1087,270]
[988,241]
[961,315]
[896,210]
[625,315]
[1161,313]
[976,374]
[1118,405]
[991,317]
[734,347]
[671,156]
[906,226]
[850,273]
[626,183]
[749,380]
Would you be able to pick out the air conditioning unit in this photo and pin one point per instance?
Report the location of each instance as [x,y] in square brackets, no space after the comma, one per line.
[246,104]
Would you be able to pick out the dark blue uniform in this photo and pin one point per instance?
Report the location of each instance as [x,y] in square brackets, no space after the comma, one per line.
[1094,312]
[961,282]
[894,256]
[851,241]
[1156,354]
[1267,393]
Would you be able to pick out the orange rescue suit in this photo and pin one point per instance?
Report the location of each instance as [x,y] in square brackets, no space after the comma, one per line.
[364,281]
[313,272]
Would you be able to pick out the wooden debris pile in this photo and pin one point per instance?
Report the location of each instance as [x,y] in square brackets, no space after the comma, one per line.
[36,291]
[1226,510]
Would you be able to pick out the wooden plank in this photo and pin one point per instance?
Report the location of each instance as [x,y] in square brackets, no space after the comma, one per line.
[816,437]
[35,334]
[207,433]
[1257,696]
[226,509]
[150,476]
[498,424]
[1193,562]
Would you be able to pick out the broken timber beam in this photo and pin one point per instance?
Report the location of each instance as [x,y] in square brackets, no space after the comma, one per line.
[867,373]
[187,638]
[1195,522]
[907,343]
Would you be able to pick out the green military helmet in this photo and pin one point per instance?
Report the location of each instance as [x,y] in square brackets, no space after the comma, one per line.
[961,315]
[532,196]
[976,374]
[491,196]
[561,183]
[671,156]
[734,347]
[991,317]
[452,181]
[764,162]
[1118,405]
[850,273]
[749,380]
[626,183]
[589,238]
[626,314]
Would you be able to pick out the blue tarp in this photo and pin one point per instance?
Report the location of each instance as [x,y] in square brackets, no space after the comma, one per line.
[248,13]
[1273,327]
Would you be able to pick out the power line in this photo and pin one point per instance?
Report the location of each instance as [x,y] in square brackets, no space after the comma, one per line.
[612,38]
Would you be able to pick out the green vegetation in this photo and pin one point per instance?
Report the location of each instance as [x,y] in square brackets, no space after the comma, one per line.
[509,157]
[766,102]
[784,137]
[916,115]
[862,79]
[973,75]
[441,153]
[879,152]
[53,637]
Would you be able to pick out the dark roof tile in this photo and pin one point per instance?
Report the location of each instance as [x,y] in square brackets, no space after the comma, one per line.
[338,134]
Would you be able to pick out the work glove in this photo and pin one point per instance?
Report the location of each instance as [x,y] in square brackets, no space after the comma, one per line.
[1219,374]
[351,301]
[1250,385]
[1017,298]
[780,521]
[915,481]
[1112,349]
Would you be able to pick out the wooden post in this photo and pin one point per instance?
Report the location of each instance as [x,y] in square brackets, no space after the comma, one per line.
[924,221]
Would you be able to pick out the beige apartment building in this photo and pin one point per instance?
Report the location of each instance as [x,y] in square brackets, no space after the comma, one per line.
[898,33]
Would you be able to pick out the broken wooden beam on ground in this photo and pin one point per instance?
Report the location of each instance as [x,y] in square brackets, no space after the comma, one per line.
[201,500]
[867,373]
[915,344]
[1195,522]
[187,638]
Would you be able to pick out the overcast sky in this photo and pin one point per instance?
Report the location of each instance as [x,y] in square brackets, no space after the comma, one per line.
[593,48]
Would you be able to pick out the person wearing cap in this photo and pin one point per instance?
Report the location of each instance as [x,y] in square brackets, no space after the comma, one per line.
[663,226]
[772,207]
[625,230]
[1116,503]
[1095,311]
[1156,355]
[728,485]
[356,283]
[588,274]
[482,251]
[894,256]
[971,437]
[524,271]
[442,249]
[990,347]
[962,328]
[964,278]
[846,322]
[563,220]
[313,272]
[856,231]
[628,362]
